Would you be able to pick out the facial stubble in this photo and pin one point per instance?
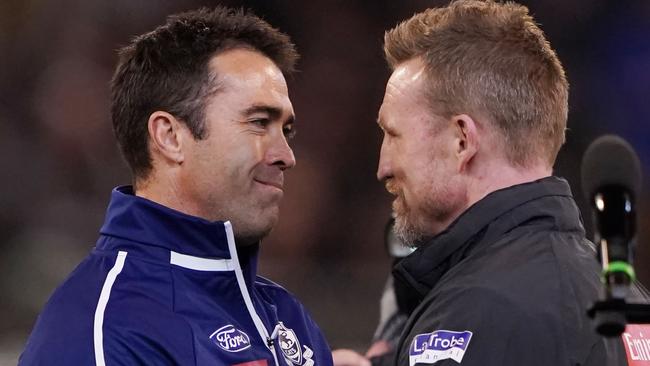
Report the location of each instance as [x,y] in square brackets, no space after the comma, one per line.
[405,229]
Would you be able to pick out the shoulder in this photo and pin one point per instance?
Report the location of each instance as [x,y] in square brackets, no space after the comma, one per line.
[545,269]
[139,322]
[64,328]
[489,306]
[96,300]
[469,303]
[526,276]
[110,305]
[288,306]
[277,293]
[538,266]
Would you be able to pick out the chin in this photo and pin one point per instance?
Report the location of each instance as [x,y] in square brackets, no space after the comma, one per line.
[411,227]
[407,232]
[252,236]
[255,229]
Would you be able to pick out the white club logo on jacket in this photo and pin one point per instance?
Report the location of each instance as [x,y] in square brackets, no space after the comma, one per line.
[290,346]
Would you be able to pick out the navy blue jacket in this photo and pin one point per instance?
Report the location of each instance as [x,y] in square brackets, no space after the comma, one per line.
[165,288]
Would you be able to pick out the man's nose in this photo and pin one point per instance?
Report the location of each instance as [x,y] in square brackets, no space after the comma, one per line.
[383,169]
[281,154]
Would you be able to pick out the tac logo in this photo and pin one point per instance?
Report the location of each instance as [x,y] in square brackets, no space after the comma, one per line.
[439,345]
[230,339]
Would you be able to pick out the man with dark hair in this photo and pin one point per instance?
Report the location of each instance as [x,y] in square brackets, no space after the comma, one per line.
[473,117]
[202,115]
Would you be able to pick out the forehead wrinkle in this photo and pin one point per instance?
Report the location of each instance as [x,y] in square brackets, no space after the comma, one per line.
[403,93]
[406,81]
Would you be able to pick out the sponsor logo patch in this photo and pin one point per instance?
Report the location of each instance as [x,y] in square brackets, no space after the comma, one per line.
[440,345]
[230,339]
[636,339]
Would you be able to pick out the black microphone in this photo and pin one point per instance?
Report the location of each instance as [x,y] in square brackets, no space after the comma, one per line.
[611,179]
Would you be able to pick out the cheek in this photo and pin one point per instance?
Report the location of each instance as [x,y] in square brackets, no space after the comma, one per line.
[417,184]
[241,154]
[215,166]
[427,172]
[418,168]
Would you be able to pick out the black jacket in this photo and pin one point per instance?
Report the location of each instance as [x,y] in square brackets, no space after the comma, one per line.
[508,283]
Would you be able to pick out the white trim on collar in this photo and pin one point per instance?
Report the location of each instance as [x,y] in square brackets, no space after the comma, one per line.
[201,264]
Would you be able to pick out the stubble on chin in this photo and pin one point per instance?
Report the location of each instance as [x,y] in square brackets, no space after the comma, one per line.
[256,225]
[405,229]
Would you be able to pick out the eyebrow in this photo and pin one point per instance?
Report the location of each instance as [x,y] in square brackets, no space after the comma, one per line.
[272,111]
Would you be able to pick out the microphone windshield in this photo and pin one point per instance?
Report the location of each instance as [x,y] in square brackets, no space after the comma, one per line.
[610,161]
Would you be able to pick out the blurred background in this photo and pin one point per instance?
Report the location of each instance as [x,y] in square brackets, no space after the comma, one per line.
[59,162]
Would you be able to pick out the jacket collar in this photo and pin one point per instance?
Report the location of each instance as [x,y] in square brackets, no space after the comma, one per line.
[149,224]
[547,201]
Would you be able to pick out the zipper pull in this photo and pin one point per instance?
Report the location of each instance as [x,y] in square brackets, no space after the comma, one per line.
[270,341]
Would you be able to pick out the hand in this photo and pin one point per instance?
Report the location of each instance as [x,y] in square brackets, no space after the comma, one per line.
[348,357]
[378,349]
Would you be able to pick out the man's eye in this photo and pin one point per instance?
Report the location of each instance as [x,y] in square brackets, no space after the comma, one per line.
[261,122]
[289,131]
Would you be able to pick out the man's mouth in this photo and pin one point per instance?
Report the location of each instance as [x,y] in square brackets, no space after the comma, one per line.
[273,183]
[392,188]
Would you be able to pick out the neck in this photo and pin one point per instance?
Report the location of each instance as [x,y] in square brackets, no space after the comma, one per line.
[499,175]
[165,191]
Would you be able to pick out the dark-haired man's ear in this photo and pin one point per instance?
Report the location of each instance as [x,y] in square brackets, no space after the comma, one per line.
[165,137]
[466,140]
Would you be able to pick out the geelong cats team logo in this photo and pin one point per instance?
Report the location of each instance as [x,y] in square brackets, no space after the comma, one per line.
[230,339]
[289,344]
